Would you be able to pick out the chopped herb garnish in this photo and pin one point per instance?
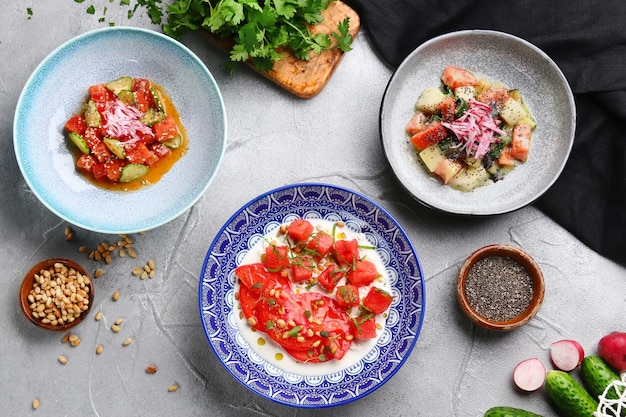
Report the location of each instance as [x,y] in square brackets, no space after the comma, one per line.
[91,9]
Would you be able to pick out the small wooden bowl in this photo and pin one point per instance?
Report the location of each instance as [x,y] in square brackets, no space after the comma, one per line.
[531,267]
[27,286]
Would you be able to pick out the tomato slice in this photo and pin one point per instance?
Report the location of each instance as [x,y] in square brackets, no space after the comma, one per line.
[300,230]
[377,300]
[252,276]
[249,307]
[364,273]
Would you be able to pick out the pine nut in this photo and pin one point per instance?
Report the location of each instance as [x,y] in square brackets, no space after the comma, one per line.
[98,316]
[173,388]
[151,369]
[98,273]
[127,341]
[63,359]
[116,296]
[99,349]
[115,328]
[35,404]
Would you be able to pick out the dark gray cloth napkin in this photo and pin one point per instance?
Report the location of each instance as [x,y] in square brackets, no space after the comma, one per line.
[587,40]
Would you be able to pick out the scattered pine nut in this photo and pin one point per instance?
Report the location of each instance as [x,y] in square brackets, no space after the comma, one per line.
[98,273]
[66,338]
[83,249]
[98,316]
[35,404]
[62,359]
[115,328]
[132,253]
[173,388]
[116,296]
[127,341]
[151,369]
[119,321]
[137,271]
[99,349]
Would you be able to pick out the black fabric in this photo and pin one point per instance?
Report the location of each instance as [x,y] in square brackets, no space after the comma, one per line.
[587,40]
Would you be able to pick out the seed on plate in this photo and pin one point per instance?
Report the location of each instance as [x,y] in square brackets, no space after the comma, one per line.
[35,404]
[122,252]
[66,338]
[349,337]
[340,223]
[99,349]
[127,341]
[252,321]
[115,328]
[116,296]
[151,369]
[63,359]
[72,337]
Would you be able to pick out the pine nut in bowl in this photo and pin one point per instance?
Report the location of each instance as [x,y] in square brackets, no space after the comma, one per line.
[56,294]
[500,287]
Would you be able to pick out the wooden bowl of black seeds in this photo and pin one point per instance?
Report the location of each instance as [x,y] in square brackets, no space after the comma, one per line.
[500,287]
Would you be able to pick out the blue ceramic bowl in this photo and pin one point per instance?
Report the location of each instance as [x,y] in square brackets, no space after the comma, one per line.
[334,382]
[56,90]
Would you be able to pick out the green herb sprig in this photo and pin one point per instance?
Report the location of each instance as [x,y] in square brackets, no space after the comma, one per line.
[260,29]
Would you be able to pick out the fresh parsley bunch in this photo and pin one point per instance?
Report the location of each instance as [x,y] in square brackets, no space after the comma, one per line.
[260,29]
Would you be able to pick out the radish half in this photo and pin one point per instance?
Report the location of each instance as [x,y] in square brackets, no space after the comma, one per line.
[529,374]
[566,355]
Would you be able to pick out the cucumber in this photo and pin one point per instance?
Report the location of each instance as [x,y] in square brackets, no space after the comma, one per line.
[597,375]
[509,412]
[122,83]
[92,116]
[115,146]
[157,99]
[569,396]
[174,143]
[127,97]
[152,116]
[79,141]
[132,172]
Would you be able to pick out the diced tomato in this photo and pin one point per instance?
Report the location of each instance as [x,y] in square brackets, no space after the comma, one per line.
[505,157]
[141,84]
[140,154]
[363,327]
[252,276]
[98,171]
[347,296]
[76,123]
[448,109]
[455,77]
[320,244]
[276,258]
[346,252]
[95,144]
[377,300]
[300,230]
[520,144]
[100,94]
[143,100]
[364,273]
[433,133]
[113,168]
[85,163]
[416,124]
[160,150]
[165,129]
[302,268]
[330,277]
[495,96]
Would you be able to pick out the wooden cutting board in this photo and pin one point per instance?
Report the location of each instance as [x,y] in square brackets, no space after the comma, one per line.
[306,79]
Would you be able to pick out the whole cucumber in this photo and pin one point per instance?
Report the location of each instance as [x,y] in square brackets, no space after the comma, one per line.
[570,397]
[509,412]
[597,375]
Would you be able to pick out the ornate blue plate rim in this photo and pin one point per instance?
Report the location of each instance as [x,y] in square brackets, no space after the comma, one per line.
[218,308]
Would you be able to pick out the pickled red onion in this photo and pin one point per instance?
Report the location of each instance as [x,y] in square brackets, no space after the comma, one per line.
[476,129]
[122,121]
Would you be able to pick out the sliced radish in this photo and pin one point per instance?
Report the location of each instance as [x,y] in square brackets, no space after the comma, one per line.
[529,374]
[566,355]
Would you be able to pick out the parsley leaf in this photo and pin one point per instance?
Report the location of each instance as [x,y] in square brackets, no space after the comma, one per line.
[260,29]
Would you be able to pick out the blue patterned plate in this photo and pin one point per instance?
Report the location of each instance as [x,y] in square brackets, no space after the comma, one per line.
[311,385]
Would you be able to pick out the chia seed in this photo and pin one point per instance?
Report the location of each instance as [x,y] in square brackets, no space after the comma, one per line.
[498,288]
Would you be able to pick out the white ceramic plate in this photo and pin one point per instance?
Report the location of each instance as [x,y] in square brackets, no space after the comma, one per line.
[55,91]
[496,56]
[311,385]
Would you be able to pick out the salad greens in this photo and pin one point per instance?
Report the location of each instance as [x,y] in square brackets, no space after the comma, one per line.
[260,29]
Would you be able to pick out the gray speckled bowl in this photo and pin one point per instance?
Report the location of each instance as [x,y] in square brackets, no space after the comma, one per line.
[496,56]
